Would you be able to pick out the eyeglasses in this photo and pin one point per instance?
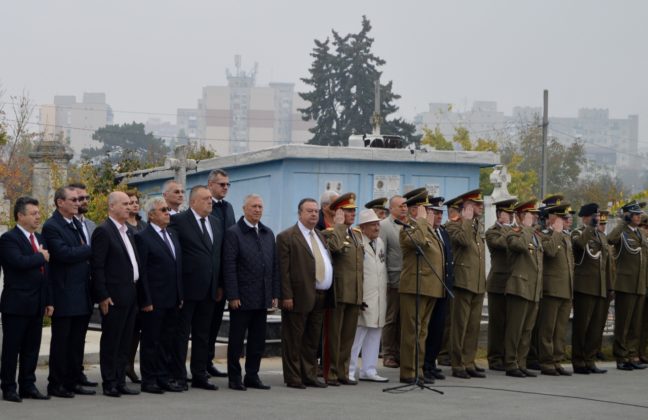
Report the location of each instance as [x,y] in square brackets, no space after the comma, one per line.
[74,200]
[224,184]
[84,198]
[165,209]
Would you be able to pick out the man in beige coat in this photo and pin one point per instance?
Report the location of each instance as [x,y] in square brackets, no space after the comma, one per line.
[374,306]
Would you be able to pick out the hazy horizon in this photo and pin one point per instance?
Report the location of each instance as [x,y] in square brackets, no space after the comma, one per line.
[151,58]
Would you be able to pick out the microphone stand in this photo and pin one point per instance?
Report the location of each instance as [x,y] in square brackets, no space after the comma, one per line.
[418,382]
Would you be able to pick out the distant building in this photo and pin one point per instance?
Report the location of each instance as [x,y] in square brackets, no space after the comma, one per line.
[608,141]
[242,117]
[75,121]
[163,129]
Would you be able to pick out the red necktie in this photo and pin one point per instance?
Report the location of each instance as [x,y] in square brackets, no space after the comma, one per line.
[32,240]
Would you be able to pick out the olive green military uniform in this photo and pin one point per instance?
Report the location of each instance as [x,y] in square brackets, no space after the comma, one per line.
[630,288]
[556,302]
[495,286]
[430,288]
[347,254]
[468,251]
[523,292]
[591,286]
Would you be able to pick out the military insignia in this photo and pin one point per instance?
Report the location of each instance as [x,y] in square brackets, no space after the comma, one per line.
[381,255]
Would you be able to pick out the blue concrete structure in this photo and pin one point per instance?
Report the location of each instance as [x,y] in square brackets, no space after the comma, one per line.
[285,174]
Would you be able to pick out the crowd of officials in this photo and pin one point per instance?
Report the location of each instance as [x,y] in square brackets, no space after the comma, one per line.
[400,281]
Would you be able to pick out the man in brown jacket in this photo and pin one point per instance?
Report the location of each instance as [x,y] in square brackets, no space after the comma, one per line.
[630,286]
[556,302]
[591,290]
[523,289]
[496,281]
[468,251]
[347,253]
[306,290]
[430,286]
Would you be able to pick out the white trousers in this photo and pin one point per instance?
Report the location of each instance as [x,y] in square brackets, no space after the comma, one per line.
[366,340]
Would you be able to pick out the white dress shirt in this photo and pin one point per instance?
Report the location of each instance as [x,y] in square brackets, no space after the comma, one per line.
[207,224]
[129,247]
[328,267]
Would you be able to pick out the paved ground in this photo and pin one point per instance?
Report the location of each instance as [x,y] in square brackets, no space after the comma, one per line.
[496,397]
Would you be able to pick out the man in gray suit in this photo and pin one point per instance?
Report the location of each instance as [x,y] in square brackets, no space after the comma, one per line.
[88,227]
[389,233]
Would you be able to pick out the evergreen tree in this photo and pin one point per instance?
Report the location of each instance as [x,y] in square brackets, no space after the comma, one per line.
[342,95]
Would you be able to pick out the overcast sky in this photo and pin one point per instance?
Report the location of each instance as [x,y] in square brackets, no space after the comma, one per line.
[154,56]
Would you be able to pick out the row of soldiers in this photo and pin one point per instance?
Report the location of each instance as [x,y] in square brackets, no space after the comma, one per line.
[540,270]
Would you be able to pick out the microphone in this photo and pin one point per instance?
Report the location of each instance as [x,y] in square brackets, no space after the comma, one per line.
[405,225]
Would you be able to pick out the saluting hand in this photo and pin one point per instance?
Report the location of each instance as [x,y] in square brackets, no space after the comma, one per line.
[558,225]
[339,217]
[527,220]
[467,212]
[421,213]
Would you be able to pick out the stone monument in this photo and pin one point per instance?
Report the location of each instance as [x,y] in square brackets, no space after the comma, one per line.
[51,159]
[500,179]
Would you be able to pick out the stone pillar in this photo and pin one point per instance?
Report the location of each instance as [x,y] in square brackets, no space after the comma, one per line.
[51,159]
[5,210]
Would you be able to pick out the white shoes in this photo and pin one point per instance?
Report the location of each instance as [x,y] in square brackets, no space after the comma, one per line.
[373,378]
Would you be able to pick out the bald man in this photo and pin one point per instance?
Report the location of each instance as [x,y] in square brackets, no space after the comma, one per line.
[115,272]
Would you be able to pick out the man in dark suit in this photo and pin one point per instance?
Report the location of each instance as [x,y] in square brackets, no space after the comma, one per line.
[160,297]
[437,323]
[70,279]
[25,297]
[306,276]
[115,272]
[218,184]
[251,277]
[200,239]
[88,226]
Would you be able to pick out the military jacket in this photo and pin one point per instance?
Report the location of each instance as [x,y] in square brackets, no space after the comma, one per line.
[498,248]
[630,255]
[525,259]
[592,261]
[558,265]
[430,280]
[468,251]
[347,254]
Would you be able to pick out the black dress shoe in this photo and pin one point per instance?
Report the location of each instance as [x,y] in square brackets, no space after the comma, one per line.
[152,389]
[130,373]
[460,374]
[497,368]
[581,370]
[33,394]
[182,384]
[475,373]
[170,386]
[86,382]
[549,372]
[295,385]
[79,390]
[625,366]
[595,369]
[315,384]
[111,392]
[333,383]
[534,366]
[479,369]
[215,373]
[255,383]
[438,374]
[516,373]
[563,372]
[60,392]
[124,390]
[11,396]
[237,385]
[204,384]
[347,381]
[428,379]
[528,373]
[638,366]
